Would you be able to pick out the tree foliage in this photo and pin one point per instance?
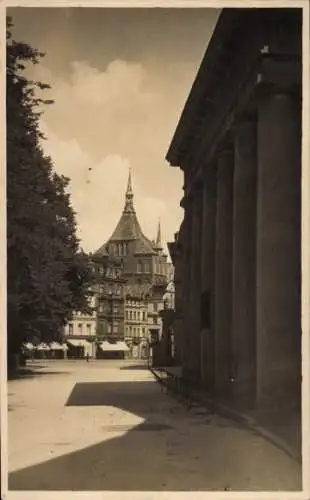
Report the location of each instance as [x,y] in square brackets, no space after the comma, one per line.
[48,275]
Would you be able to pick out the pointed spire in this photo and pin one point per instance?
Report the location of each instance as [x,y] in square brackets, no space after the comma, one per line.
[129,185]
[158,238]
[129,195]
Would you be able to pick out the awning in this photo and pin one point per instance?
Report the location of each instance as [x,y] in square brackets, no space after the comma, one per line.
[43,347]
[55,346]
[118,346]
[29,346]
[122,346]
[78,342]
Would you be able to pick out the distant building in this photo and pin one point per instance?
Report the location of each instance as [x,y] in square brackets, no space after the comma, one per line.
[80,332]
[131,275]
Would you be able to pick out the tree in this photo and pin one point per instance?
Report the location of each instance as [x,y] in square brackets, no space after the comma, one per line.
[48,274]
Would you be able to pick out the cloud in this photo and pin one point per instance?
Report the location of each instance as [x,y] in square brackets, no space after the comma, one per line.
[98,191]
[102,122]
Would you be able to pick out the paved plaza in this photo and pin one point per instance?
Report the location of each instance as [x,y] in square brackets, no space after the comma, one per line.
[107,425]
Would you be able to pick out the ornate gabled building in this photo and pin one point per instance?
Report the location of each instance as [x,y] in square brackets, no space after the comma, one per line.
[142,260]
[139,271]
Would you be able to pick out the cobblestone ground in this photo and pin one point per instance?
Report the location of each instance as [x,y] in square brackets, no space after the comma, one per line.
[106,425]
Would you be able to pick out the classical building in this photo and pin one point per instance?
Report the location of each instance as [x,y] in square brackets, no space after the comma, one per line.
[238,254]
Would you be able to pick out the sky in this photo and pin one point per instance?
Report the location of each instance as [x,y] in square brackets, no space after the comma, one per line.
[120,79]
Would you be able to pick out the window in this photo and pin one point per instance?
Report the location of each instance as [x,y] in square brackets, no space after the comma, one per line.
[70,329]
[139,267]
[115,328]
[80,328]
[101,288]
[101,308]
[101,270]
[88,329]
[109,327]
[143,332]
[155,307]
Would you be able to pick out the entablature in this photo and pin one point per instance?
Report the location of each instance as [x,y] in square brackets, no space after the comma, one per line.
[250,49]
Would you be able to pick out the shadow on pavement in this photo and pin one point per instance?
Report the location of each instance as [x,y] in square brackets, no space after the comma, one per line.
[118,463]
[135,367]
[140,398]
[135,461]
[26,373]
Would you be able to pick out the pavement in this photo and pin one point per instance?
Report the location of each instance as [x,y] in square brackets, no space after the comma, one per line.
[108,425]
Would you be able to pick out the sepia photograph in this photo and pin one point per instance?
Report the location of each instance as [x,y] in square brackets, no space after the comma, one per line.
[156,248]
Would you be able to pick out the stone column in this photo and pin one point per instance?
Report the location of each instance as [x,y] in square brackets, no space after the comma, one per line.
[178,320]
[186,273]
[278,253]
[208,278]
[244,263]
[223,271]
[195,265]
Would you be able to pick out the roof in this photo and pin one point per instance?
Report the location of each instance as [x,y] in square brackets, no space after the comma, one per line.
[128,229]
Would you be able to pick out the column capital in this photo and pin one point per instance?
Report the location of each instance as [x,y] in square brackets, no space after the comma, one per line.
[223,150]
[225,159]
[278,75]
[186,201]
[243,122]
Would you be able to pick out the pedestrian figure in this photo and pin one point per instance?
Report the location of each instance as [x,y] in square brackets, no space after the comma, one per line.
[87,358]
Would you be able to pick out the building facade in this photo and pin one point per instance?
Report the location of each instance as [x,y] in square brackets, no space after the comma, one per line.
[237,255]
[80,332]
[131,273]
